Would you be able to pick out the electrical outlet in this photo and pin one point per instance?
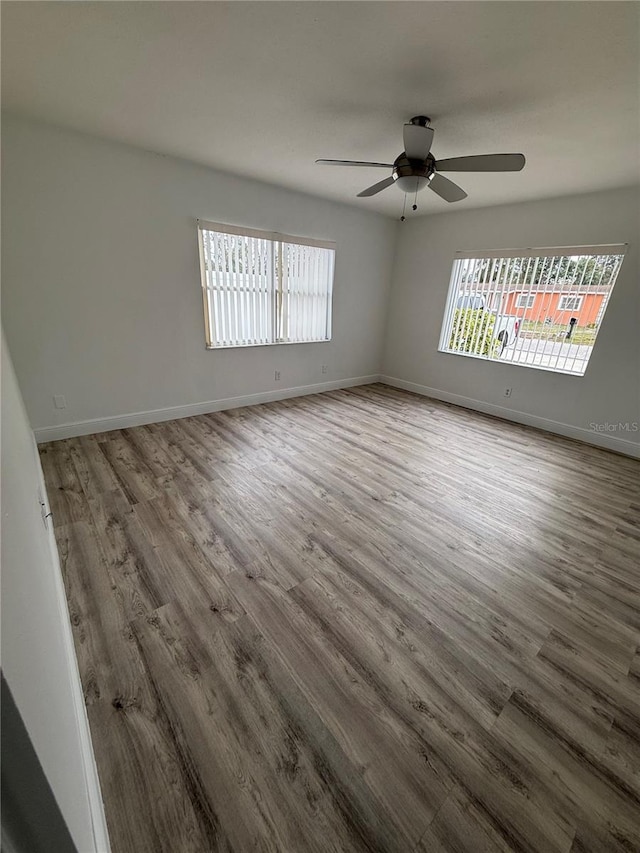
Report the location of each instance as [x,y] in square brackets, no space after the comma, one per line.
[277,376]
[59,401]
[507,392]
[325,368]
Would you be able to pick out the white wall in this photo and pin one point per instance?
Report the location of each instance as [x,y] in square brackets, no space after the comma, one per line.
[101,292]
[101,284]
[610,390]
[38,660]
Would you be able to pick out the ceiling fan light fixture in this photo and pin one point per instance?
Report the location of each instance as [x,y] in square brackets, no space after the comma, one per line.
[411,183]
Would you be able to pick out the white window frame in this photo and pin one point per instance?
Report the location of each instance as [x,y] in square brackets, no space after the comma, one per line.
[573,297]
[529,300]
[276,290]
[502,279]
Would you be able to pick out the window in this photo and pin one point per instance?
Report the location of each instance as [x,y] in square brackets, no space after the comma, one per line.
[264,288]
[569,303]
[525,300]
[539,308]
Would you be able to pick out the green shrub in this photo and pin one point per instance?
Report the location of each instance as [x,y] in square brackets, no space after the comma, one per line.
[472,331]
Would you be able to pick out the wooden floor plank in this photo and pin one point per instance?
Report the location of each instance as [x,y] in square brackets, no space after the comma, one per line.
[354,622]
[276,777]
[381,747]
[67,498]
[460,825]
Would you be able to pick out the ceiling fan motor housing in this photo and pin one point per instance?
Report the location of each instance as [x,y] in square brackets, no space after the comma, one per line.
[411,176]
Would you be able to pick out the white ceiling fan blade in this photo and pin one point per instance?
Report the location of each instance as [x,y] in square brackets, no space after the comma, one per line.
[483,163]
[417,141]
[376,188]
[353,163]
[446,189]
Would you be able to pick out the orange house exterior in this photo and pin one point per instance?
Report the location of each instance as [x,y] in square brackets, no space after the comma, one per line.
[550,306]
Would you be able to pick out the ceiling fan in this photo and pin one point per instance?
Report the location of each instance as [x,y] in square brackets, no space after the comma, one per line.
[417,168]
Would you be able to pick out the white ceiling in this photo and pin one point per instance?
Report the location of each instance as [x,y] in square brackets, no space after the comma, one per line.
[265,88]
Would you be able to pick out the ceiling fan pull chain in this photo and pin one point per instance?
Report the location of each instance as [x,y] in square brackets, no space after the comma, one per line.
[415,198]
[404,207]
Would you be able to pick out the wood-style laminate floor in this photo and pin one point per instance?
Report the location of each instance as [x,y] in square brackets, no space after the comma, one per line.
[359,621]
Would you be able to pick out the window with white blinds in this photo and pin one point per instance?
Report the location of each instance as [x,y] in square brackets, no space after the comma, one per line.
[539,308]
[263,288]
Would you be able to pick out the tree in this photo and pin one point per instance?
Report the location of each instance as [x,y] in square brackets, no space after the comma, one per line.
[563,271]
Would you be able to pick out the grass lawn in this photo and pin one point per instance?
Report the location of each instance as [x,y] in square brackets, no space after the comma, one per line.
[547,332]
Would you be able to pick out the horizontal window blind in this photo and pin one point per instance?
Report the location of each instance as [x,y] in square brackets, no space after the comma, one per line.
[261,288]
[535,307]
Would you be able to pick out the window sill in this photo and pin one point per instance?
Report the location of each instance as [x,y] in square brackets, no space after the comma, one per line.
[269,344]
[513,363]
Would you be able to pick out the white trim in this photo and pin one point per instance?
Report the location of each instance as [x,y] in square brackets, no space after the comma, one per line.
[544,252]
[529,297]
[565,296]
[216,347]
[578,290]
[500,360]
[69,430]
[274,236]
[91,778]
[586,436]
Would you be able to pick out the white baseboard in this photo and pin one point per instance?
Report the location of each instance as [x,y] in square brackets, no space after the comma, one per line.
[587,436]
[92,782]
[69,430]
